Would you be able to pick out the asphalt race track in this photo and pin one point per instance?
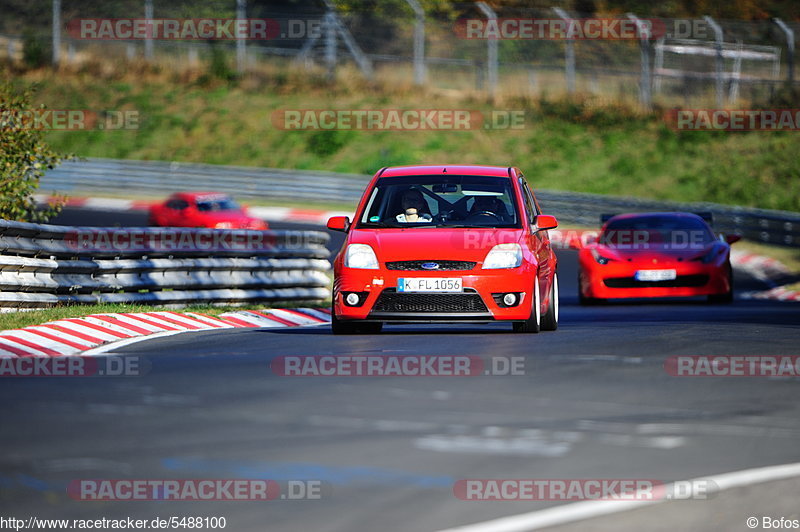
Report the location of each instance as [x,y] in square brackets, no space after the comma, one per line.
[594,402]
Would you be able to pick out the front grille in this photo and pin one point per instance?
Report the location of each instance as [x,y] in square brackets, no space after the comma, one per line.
[444,265]
[681,281]
[392,301]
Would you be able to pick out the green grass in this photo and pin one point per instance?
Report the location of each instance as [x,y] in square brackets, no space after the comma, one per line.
[16,320]
[579,145]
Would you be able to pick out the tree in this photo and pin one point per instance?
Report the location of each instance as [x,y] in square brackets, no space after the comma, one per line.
[24,157]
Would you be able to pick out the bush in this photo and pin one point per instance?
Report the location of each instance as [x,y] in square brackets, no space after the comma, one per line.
[24,158]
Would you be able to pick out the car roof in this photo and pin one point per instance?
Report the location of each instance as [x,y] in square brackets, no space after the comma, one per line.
[634,215]
[455,169]
[195,195]
[631,215]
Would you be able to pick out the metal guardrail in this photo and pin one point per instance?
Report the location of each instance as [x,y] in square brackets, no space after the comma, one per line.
[42,265]
[110,176]
[156,177]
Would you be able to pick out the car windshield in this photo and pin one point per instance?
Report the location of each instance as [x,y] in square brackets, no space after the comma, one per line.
[216,204]
[441,201]
[659,230]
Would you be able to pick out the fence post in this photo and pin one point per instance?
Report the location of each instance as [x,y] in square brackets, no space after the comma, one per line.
[419,42]
[569,53]
[56,32]
[240,50]
[646,81]
[789,32]
[491,50]
[330,45]
[148,40]
[720,82]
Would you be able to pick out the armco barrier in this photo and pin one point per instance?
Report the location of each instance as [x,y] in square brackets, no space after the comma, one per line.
[42,265]
[109,176]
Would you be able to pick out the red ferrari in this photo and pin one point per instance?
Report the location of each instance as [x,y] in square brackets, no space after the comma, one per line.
[445,244]
[202,209]
[660,254]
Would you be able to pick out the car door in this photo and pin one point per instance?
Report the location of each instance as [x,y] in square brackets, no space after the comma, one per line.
[538,241]
[175,212]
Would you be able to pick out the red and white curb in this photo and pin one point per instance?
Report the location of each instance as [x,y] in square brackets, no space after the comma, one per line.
[761,267]
[270,214]
[776,294]
[98,333]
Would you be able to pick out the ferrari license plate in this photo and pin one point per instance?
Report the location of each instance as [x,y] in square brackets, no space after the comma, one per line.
[656,275]
[429,284]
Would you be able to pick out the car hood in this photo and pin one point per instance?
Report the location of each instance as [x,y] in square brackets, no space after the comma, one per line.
[654,253]
[433,243]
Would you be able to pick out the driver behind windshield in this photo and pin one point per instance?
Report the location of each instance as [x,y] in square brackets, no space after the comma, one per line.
[414,208]
[489,204]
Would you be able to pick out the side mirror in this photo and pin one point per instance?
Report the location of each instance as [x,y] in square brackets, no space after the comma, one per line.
[543,221]
[339,223]
[730,239]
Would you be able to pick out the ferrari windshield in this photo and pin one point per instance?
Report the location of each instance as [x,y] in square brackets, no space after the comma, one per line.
[441,201]
[660,229]
[216,204]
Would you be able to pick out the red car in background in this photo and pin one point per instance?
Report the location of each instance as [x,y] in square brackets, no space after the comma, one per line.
[202,209]
[445,244]
[659,254]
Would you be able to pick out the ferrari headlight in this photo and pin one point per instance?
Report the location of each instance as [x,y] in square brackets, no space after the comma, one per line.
[600,259]
[223,225]
[708,257]
[503,256]
[360,256]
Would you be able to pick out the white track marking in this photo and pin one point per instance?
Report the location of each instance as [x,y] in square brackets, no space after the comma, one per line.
[579,511]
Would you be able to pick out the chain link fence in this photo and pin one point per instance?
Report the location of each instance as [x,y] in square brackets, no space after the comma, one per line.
[689,62]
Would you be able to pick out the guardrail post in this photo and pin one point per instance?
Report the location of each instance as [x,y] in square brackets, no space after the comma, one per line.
[491,50]
[330,45]
[789,32]
[419,42]
[720,63]
[646,81]
[56,33]
[148,40]
[569,53]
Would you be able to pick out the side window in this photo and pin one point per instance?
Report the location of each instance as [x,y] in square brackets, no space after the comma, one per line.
[530,206]
[177,204]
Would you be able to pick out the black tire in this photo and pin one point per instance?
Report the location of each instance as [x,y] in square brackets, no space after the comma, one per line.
[723,299]
[550,318]
[534,323]
[583,300]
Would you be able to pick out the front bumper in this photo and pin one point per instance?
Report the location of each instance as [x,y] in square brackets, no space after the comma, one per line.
[475,304]
[617,280]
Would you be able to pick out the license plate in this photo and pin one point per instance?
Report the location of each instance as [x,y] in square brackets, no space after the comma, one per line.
[656,275]
[429,284]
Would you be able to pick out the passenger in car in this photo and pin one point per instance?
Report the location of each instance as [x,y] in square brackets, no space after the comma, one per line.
[415,208]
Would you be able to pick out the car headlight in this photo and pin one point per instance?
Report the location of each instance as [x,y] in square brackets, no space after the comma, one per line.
[360,256]
[600,258]
[708,257]
[223,225]
[503,256]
